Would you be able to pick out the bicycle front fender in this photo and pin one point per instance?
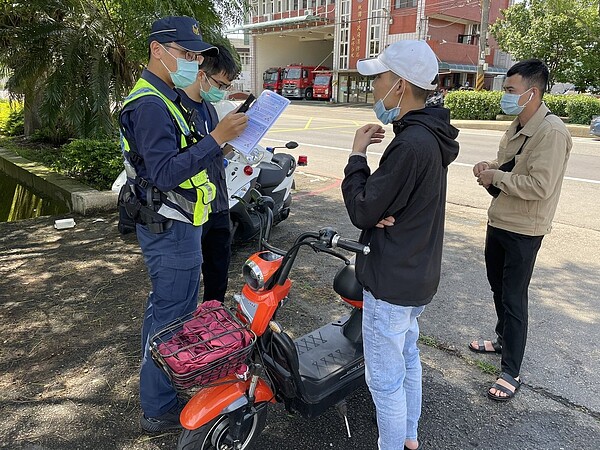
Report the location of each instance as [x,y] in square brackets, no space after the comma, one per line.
[210,402]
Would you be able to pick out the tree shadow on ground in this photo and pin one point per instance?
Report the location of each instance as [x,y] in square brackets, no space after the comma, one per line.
[71,304]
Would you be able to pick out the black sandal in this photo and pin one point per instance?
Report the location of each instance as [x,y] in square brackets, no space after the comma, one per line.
[481,347]
[509,394]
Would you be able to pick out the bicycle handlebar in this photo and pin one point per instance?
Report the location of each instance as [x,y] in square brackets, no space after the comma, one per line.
[349,245]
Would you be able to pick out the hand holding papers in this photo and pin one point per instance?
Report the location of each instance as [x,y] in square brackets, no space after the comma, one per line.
[261,116]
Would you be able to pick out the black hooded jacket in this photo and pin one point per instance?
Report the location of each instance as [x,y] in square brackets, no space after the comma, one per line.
[404,264]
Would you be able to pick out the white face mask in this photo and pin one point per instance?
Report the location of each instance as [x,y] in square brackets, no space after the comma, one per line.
[186,72]
[510,103]
[213,95]
[384,115]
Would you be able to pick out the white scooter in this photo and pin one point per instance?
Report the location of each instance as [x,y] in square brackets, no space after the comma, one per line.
[261,171]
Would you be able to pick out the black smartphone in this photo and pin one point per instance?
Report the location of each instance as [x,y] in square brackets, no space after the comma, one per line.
[246,104]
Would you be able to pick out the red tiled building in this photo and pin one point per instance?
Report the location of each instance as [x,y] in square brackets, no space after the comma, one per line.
[337,33]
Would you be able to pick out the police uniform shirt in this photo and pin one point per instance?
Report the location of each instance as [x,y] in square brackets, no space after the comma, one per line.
[149,126]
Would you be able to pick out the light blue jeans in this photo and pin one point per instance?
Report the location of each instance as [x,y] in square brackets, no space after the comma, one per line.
[393,368]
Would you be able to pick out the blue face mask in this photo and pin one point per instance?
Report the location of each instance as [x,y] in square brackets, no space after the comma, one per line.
[213,95]
[386,116]
[186,72]
[510,103]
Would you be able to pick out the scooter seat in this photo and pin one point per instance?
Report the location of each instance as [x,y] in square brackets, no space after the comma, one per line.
[273,173]
[346,284]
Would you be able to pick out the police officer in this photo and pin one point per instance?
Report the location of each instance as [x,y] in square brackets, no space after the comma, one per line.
[211,86]
[166,174]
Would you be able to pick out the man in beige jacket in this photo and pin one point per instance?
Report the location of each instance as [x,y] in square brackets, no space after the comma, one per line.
[525,180]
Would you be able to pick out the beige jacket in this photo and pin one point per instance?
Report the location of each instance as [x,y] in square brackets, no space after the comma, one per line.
[530,192]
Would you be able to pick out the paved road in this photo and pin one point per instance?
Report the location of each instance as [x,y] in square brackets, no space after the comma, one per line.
[564,319]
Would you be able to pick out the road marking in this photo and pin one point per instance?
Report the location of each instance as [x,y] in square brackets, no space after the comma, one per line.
[281,130]
[341,149]
[582,180]
[336,184]
[307,126]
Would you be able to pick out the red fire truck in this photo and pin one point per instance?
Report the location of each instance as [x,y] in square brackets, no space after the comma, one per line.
[273,79]
[298,80]
[322,84]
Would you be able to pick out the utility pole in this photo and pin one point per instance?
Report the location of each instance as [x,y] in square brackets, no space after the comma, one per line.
[483,48]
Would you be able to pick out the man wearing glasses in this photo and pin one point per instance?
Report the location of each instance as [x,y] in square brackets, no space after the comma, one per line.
[211,86]
[170,193]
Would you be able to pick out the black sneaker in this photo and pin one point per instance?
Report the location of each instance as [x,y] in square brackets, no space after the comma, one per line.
[167,421]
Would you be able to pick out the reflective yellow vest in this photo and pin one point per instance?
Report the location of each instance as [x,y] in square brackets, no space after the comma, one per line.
[176,206]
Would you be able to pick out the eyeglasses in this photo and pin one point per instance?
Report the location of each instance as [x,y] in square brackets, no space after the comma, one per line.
[221,86]
[189,56]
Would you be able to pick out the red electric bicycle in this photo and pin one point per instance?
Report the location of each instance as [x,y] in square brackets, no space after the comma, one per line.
[242,360]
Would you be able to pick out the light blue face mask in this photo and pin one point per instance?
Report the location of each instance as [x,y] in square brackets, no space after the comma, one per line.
[186,72]
[386,116]
[213,95]
[510,103]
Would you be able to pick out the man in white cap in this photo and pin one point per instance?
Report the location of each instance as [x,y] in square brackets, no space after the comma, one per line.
[400,211]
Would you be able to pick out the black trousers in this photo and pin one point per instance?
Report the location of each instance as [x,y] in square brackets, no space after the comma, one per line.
[509,260]
[216,256]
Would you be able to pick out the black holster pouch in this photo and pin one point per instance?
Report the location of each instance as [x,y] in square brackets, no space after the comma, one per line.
[132,211]
[129,209]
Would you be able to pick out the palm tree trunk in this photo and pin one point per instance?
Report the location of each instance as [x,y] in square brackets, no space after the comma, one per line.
[31,107]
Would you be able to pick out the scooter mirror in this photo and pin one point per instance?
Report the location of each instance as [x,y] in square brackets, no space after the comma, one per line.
[291,145]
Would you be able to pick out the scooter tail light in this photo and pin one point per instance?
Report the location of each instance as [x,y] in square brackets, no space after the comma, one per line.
[302,160]
[248,170]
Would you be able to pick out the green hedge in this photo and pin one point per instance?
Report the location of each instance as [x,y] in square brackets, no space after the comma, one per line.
[93,162]
[557,104]
[473,105]
[581,108]
[485,105]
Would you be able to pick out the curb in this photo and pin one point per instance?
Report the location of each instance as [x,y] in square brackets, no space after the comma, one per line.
[79,198]
[575,130]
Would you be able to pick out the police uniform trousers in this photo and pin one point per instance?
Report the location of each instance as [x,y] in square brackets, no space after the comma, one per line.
[174,260]
[216,248]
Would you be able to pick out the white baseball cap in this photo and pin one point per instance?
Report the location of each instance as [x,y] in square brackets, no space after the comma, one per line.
[413,61]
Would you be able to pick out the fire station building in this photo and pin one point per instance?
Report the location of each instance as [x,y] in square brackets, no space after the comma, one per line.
[335,34]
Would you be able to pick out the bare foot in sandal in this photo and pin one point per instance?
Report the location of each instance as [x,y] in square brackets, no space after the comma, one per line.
[504,388]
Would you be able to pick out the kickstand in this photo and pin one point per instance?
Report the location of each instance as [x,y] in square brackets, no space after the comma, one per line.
[342,409]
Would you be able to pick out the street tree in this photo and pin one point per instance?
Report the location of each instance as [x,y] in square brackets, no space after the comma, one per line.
[72,61]
[562,33]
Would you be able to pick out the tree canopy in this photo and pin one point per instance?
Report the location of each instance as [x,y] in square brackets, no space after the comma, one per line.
[74,60]
[565,34]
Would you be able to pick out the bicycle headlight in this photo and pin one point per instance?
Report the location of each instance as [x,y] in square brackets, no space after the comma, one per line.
[253,275]
[259,268]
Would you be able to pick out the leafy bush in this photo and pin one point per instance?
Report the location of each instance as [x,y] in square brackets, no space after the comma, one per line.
[485,105]
[473,105]
[12,121]
[557,104]
[581,108]
[94,162]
